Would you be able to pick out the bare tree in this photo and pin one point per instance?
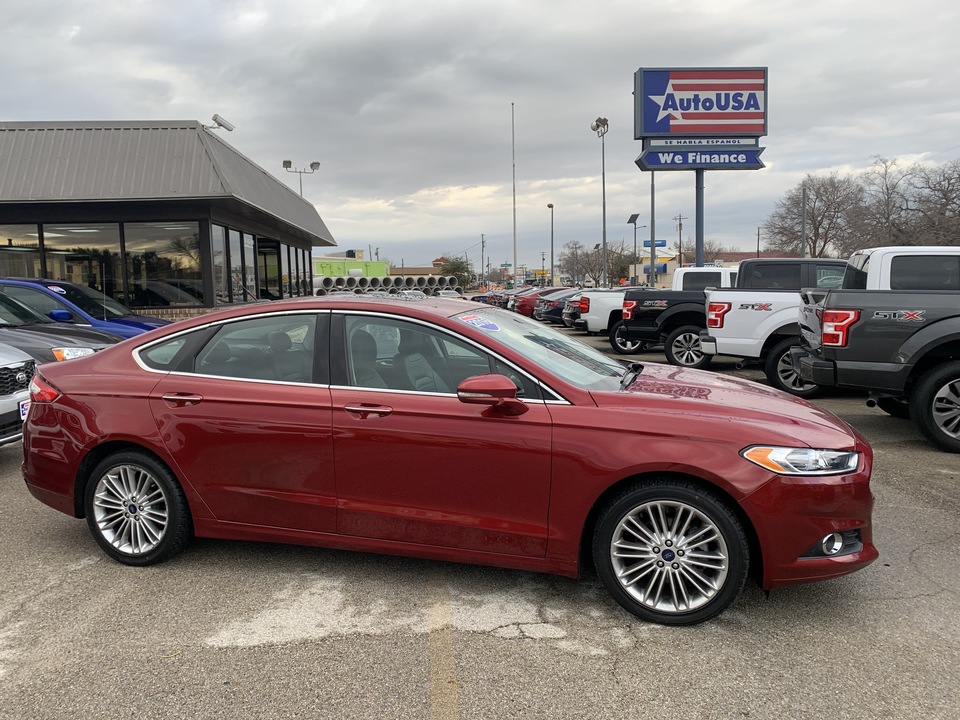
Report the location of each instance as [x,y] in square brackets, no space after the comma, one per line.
[884,218]
[712,250]
[833,208]
[935,216]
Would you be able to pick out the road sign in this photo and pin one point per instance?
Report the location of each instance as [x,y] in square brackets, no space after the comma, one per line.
[726,158]
[506,264]
[656,243]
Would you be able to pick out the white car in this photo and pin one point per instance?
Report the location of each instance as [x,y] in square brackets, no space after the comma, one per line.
[16,371]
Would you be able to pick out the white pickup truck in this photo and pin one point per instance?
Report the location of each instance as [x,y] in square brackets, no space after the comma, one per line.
[602,310]
[757,320]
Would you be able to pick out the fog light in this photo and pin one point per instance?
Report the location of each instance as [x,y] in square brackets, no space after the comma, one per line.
[832,544]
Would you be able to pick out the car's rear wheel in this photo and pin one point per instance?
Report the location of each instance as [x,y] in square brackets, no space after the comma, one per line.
[683,348]
[935,405]
[671,552]
[781,373]
[136,509]
[619,342]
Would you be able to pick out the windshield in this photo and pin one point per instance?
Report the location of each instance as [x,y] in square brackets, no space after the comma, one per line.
[558,354]
[91,301]
[14,312]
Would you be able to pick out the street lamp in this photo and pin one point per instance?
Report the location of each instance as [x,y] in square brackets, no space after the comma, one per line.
[600,126]
[550,205]
[288,166]
[632,220]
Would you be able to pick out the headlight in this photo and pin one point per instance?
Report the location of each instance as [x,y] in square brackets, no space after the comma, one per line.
[69,353]
[802,461]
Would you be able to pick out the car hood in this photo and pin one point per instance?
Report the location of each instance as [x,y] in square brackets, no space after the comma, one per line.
[39,340]
[143,322]
[702,397]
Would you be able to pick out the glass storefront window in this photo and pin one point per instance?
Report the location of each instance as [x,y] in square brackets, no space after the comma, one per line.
[85,254]
[235,254]
[249,268]
[163,264]
[285,270]
[218,244]
[19,251]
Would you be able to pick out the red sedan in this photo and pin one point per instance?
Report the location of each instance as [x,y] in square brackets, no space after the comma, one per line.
[418,427]
[526,303]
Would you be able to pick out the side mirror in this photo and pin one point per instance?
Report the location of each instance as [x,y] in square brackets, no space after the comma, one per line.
[497,391]
[61,315]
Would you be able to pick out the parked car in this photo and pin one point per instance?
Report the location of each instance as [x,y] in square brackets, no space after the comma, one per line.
[16,371]
[80,305]
[527,302]
[45,340]
[372,424]
[448,294]
[571,310]
[549,307]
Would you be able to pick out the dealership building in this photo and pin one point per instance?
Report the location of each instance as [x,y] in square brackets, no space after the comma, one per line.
[164,217]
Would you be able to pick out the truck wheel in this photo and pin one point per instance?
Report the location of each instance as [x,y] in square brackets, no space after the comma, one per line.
[781,374]
[895,407]
[935,405]
[670,552]
[621,344]
[683,348]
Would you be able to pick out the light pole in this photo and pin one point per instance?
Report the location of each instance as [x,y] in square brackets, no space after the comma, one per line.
[632,220]
[600,126]
[550,205]
[288,166]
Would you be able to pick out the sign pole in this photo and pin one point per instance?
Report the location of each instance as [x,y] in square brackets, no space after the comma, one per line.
[653,227]
[699,200]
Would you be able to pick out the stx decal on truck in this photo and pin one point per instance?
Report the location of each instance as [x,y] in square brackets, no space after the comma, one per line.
[900,315]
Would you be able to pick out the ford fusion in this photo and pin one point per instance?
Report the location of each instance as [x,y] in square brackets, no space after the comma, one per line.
[415,427]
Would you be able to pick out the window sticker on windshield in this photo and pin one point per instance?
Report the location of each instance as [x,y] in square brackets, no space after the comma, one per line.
[57,289]
[480,322]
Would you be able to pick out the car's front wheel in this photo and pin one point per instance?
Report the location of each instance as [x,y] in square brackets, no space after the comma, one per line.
[683,348]
[136,509]
[935,405]
[671,552]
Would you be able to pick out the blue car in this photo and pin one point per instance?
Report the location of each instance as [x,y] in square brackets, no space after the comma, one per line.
[77,304]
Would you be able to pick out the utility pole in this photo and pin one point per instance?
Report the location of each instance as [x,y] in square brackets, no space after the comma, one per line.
[680,218]
[483,280]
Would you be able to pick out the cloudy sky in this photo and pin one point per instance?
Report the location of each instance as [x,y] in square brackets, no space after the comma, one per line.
[407,105]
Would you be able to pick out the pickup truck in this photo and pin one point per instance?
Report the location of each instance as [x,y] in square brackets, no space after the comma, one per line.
[673,317]
[901,345]
[757,320]
[606,312]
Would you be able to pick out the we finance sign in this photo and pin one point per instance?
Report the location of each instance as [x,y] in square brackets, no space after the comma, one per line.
[700,102]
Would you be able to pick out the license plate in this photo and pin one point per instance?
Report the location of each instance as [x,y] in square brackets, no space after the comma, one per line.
[24,406]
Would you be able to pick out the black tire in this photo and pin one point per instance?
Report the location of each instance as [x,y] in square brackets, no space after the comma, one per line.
[683,348]
[654,556]
[897,407]
[136,509]
[620,345]
[781,374]
[935,406]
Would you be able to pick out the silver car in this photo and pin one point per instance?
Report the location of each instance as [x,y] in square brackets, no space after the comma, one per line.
[16,371]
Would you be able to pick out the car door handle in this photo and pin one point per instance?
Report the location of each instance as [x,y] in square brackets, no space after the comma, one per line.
[182,400]
[365,411]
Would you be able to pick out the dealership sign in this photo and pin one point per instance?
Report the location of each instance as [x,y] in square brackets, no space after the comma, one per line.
[722,158]
[700,102]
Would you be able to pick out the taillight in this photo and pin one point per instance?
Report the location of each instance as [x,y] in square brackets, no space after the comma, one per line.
[628,306]
[584,305]
[835,326]
[41,391]
[715,313]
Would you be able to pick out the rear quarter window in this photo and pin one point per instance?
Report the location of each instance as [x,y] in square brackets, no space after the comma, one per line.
[925,272]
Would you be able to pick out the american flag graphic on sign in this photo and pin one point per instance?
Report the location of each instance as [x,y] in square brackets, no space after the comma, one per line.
[704,102]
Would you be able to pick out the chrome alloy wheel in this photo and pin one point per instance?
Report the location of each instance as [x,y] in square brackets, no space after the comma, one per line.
[946,409]
[130,509]
[686,348]
[789,376]
[669,556]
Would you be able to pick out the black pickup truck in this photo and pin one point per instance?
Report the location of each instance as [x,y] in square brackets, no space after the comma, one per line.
[676,317]
[902,346]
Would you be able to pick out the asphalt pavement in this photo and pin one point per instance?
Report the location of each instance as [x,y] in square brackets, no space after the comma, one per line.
[247,630]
